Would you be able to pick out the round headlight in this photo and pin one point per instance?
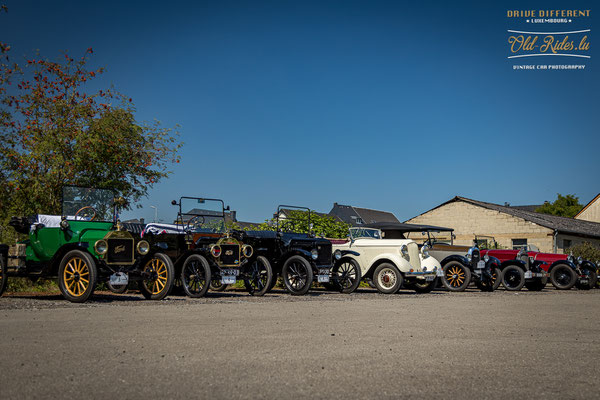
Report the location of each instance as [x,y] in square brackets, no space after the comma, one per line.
[434,269]
[314,254]
[425,251]
[337,254]
[424,269]
[469,257]
[101,246]
[570,258]
[247,250]
[579,260]
[486,258]
[143,247]
[215,250]
[404,250]
[64,224]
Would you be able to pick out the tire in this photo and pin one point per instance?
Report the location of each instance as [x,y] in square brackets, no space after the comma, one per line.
[273,282]
[497,276]
[159,277]
[77,276]
[217,286]
[195,276]
[456,276]
[591,275]
[387,278]
[513,278]
[3,275]
[425,287]
[346,275]
[536,285]
[485,286]
[118,289]
[297,275]
[563,277]
[262,275]
[370,283]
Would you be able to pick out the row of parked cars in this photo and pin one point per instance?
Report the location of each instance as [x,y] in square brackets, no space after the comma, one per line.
[87,245]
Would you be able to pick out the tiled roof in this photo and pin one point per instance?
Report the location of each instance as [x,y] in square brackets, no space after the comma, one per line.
[349,214]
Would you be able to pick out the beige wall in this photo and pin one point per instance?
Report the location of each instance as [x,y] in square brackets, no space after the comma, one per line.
[469,220]
[560,239]
[592,212]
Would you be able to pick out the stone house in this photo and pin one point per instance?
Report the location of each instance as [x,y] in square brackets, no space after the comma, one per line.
[591,212]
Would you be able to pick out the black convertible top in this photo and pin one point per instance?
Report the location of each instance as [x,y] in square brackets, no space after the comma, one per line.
[397,226]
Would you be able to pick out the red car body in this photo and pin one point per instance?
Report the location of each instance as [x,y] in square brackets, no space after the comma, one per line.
[505,255]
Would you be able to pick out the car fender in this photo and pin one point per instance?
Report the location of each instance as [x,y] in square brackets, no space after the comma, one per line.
[295,252]
[60,253]
[590,264]
[430,263]
[567,262]
[518,263]
[349,252]
[455,257]
[400,263]
[493,262]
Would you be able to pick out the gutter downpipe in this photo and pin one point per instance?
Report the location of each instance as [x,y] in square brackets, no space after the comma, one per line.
[554,244]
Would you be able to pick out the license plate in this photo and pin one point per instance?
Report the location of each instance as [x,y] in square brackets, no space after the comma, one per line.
[323,278]
[584,281]
[323,271]
[429,277]
[481,264]
[119,279]
[228,280]
[230,272]
[528,274]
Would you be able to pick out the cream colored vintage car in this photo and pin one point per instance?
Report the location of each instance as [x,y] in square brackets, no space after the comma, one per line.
[389,263]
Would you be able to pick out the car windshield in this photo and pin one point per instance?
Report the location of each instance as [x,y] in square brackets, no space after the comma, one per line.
[202,215]
[365,233]
[88,204]
[533,247]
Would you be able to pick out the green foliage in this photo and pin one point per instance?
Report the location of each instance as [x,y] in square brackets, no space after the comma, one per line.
[563,206]
[24,285]
[586,250]
[298,221]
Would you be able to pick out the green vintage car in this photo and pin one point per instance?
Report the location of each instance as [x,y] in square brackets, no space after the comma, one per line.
[84,246]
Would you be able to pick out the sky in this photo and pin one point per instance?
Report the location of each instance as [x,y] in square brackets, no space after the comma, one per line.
[378,104]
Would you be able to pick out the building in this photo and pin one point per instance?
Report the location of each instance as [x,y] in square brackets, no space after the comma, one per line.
[591,212]
[358,216]
[511,227]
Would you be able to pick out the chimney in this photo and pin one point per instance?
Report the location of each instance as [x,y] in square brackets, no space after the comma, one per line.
[506,204]
[335,204]
[142,221]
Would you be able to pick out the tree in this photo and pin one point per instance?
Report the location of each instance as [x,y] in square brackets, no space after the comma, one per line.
[586,250]
[54,133]
[298,221]
[563,206]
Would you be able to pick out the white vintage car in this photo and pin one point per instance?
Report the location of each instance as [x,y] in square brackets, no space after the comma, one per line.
[390,263]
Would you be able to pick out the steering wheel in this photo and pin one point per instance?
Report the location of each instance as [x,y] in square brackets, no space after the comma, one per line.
[194,221]
[85,208]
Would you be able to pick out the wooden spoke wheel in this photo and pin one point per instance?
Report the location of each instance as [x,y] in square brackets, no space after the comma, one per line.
[157,277]
[77,276]
[297,275]
[261,274]
[456,276]
[346,275]
[196,276]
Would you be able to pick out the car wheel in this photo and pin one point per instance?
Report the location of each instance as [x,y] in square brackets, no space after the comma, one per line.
[563,277]
[591,276]
[158,275]
[513,278]
[387,278]
[297,275]
[119,289]
[456,276]
[536,285]
[273,281]
[261,275]
[195,276]
[497,277]
[3,275]
[77,276]
[217,286]
[424,287]
[346,275]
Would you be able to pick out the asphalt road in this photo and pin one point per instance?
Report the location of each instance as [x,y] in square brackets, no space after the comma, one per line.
[324,345]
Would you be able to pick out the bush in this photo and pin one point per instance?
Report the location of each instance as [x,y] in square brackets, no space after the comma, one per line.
[586,250]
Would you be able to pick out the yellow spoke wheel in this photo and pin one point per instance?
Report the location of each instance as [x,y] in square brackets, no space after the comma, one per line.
[77,276]
[157,277]
[456,276]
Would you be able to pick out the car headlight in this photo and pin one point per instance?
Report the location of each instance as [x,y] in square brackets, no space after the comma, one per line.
[64,224]
[425,251]
[101,247]
[579,260]
[434,269]
[314,254]
[424,269]
[469,257]
[337,254]
[247,250]
[215,250]
[486,258]
[404,251]
[570,258]
[143,247]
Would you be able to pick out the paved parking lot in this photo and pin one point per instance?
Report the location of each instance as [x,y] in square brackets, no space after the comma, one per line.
[325,345]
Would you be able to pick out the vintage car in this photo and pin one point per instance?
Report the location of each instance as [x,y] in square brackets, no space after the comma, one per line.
[296,254]
[83,246]
[563,270]
[373,252]
[204,250]
[461,264]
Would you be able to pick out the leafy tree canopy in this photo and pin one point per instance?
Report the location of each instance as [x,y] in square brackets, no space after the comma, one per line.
[298,221]
[563,206]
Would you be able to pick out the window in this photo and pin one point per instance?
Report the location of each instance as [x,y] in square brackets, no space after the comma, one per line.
[357,220]
[567,243]
[519,243]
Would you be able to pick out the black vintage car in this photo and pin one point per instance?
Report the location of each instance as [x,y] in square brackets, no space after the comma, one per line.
[296,254]
[205,250]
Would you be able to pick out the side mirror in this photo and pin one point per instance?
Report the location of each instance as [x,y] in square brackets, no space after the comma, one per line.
[173,202]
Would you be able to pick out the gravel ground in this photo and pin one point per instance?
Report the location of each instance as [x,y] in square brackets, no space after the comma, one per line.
[324,345]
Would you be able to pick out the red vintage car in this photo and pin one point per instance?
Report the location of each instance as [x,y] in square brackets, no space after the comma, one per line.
[564,271]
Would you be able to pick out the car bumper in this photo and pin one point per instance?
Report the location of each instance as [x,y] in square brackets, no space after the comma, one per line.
[532,275]
[422,275]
